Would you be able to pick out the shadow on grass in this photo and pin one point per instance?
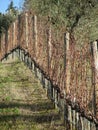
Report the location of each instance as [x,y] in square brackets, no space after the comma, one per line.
[41,106]
[36,117]
[39,118]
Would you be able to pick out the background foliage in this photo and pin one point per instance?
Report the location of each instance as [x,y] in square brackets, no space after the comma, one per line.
[7,18]
[62,12]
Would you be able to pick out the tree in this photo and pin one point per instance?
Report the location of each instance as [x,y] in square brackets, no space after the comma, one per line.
[8,18]
[61,12]
[5,21]
[12,11]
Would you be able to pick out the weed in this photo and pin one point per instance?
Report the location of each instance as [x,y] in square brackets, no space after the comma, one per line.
[7,99]
[16,111]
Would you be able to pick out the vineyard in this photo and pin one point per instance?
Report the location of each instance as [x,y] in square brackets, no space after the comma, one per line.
[71,68]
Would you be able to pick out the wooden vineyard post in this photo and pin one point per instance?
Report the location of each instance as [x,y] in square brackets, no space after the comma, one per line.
[6,41]
[49,42]
[74,119]
[67,61]
[35,33]
[67,74]
[26,29]
[95,88]
[49,47]
[70,116]
[3,47]
[14,29]
[19,30]
[13,38]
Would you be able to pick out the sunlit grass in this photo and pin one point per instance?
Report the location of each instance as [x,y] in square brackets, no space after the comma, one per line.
[23,101]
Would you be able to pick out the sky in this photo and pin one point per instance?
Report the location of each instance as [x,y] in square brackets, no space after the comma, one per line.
[4,4]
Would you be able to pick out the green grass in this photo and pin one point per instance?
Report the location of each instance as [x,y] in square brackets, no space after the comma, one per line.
[7,111]
[23,102]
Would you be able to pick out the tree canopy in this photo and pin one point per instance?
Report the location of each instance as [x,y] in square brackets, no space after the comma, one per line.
[12,10]
[66,12]
[7,18]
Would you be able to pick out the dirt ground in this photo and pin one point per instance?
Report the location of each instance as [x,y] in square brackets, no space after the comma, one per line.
[23,101]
